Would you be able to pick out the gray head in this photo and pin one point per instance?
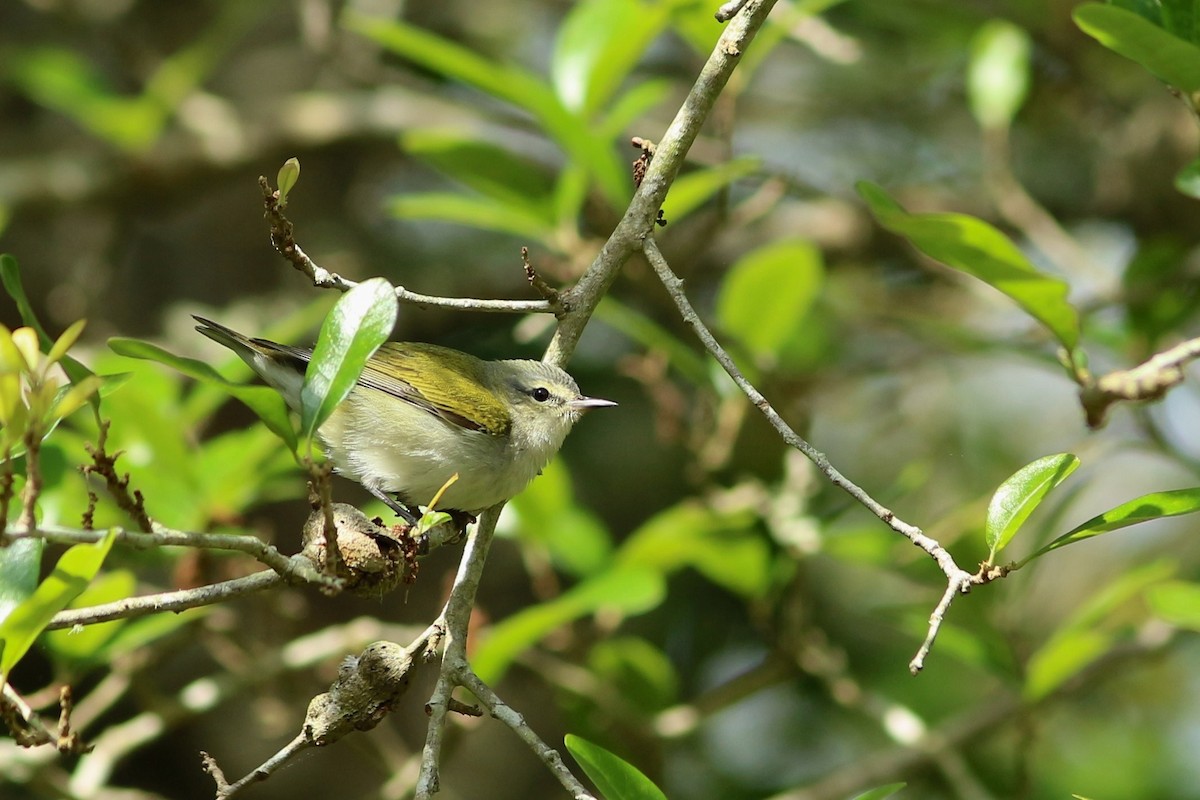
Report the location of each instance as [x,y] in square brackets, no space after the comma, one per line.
[543,400]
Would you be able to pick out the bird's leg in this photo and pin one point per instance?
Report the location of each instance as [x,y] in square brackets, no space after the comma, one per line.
[402,510]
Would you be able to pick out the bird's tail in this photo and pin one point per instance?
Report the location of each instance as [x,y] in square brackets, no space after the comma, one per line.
[282,366]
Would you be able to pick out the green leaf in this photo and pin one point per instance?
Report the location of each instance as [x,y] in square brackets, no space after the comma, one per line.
[549,517]
[1018,496]
[360,321]
[573,134]
[880,792]
[485,213]
[1170,58]
[20,563]
[765,299]
[597,48]
[724,548]
[1091,631]
[693,189]
[263,401]
[638,669]
[998,73]
[10,276]
[1187,181]
[616,778]
[71,575]
[286,180]
[1155,505]
[642,329]
[1176,602]
[976,248]
[88,645]
[628,590]
[484,167]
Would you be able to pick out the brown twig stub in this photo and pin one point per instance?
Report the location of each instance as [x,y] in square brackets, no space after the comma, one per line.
[642,163]
[105,465]
[1146,382]
[373,559]
[548,293]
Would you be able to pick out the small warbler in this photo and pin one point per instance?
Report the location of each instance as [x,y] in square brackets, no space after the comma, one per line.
[421,413]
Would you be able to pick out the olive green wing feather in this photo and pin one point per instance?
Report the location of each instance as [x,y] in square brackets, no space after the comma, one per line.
[457,395]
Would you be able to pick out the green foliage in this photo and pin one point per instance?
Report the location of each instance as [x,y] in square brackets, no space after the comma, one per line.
[880,792]
[766,298]
[1018,496]
[616,778]
[1091,631]
[1155,505]
[360,321]
[998,75]
[1165,47]
[263,401]
[71,575]
[978,249]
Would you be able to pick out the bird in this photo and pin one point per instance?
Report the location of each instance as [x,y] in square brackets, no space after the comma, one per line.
[422,413]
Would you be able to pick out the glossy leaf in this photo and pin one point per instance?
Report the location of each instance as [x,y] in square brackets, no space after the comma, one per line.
[978,249]
[1155,505]
[360,321]
[263,401]
[1018,496]
[766,297]
[597,48]
[72,574]
[616,778]
[998,73]
[1170,58]
[628,590]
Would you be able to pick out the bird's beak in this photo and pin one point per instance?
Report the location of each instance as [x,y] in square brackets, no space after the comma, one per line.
[584,403]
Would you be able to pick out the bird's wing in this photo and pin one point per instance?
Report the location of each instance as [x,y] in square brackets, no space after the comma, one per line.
[398,366]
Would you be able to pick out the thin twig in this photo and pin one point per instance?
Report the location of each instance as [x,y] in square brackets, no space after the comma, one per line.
[455,622]
[640,218]
[959,580]
[513,719]
[105,466]
[294,568]
[174,602]
[283,238]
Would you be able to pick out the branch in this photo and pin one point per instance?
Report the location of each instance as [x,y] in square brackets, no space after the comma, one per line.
[959,580]
[283,238]
[1147,381]
[669,154]
[294,568]
[174,602]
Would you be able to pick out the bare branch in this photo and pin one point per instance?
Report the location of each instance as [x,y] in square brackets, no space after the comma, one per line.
[959,579]
[669,154]
[1147,381]
[295,568]
[174,602]
[283,238]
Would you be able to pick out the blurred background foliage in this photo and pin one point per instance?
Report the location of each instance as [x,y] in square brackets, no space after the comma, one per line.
[678,586]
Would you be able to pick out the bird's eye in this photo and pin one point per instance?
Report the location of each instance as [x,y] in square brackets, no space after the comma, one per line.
[541,394]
